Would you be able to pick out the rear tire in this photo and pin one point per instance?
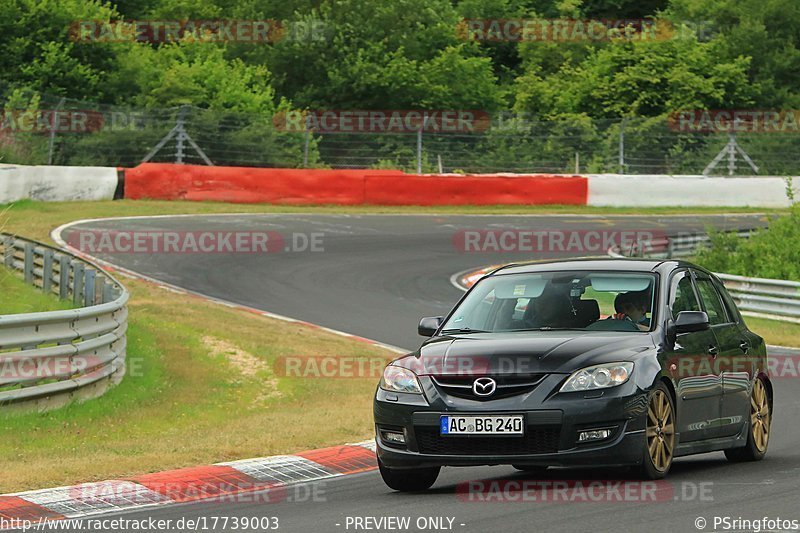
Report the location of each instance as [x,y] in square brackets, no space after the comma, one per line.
[409,479]
[758,427]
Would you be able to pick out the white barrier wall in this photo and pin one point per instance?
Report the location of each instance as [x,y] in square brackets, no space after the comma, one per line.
[56,184]
[692,191]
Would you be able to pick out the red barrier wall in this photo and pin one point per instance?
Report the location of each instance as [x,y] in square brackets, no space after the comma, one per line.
[166,181]
[480,189]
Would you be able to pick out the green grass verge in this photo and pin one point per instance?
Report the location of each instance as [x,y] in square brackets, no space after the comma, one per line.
[16,296]
[774,331]
[201,388]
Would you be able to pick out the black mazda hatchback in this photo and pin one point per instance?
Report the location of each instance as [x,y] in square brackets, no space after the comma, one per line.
[586,363]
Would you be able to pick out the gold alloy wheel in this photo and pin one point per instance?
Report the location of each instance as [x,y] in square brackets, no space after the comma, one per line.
[660,430]
[759,416]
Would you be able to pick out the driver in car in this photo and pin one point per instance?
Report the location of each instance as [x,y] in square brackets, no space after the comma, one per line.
[633,306]
[552,309]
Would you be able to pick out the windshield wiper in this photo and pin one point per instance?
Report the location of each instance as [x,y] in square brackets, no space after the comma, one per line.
[548,328]
[463,330]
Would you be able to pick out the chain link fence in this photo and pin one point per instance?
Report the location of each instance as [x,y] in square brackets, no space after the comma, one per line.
[52,130]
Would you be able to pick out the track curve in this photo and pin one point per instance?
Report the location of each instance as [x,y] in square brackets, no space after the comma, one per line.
[377,275]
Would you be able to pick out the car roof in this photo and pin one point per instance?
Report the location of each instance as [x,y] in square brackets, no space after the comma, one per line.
[599,264]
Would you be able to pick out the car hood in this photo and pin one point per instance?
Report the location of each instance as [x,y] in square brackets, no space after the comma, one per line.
[524,352]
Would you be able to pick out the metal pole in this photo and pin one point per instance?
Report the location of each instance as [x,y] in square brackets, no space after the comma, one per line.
[52,140]
[306,144]
[419,150]
[577,163]
[731,153]
[622,146]
[181,137]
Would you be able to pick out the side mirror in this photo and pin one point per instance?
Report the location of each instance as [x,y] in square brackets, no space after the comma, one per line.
[428,325]
[690,321]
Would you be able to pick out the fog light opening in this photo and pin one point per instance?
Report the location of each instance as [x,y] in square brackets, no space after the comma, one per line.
[393,437]
[593,435]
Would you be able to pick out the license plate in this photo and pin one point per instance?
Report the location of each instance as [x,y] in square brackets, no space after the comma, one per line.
[481,425]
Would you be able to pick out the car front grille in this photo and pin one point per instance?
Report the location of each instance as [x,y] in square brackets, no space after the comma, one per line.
[511,385]
[537,440]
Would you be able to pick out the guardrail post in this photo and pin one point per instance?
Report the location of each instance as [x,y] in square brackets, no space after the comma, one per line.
[28,266]
[670,248]
[77,282]
[63,277]
[8,251]
[47,270]
[88,284]
[106,293]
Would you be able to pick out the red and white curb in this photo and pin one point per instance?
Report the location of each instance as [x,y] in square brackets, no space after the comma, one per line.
[465,279]
[219,482]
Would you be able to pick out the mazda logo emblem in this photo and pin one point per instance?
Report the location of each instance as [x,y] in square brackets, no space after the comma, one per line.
[484,386]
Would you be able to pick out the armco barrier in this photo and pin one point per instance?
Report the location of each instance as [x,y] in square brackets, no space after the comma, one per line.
[485,189]
[49,359]
[167,181]
[347,187]
[688,191]
[773,297]
[56,184]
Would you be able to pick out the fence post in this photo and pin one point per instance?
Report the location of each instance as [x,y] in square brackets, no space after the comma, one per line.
[419,150]
[306,143]
[181,135]
[622,146]
[51,141]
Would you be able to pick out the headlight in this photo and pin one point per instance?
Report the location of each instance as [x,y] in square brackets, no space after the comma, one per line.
[398,379]
[598,377]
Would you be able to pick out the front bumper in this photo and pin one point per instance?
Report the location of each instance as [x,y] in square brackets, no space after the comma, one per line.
[552,424]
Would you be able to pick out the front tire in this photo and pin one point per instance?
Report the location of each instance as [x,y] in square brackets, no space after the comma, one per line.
[409,479]
[659,442]
[759,426]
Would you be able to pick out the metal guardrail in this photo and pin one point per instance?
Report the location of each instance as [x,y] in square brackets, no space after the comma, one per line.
[52,358]
[779,298]
[768,296]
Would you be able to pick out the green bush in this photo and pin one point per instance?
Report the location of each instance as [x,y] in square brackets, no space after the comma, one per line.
[772,252]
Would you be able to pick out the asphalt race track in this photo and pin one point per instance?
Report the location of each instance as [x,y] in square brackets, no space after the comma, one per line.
[377,275]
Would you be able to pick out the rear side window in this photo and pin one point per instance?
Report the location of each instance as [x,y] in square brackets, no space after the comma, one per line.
[730,306]
[712,302]
[682,297]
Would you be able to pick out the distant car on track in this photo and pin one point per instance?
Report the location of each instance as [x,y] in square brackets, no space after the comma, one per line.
[590,363]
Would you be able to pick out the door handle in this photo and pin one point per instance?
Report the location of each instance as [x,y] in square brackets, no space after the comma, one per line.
[713,351]
[744,346]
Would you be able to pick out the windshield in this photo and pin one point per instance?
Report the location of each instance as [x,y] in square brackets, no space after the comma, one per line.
[574,300]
